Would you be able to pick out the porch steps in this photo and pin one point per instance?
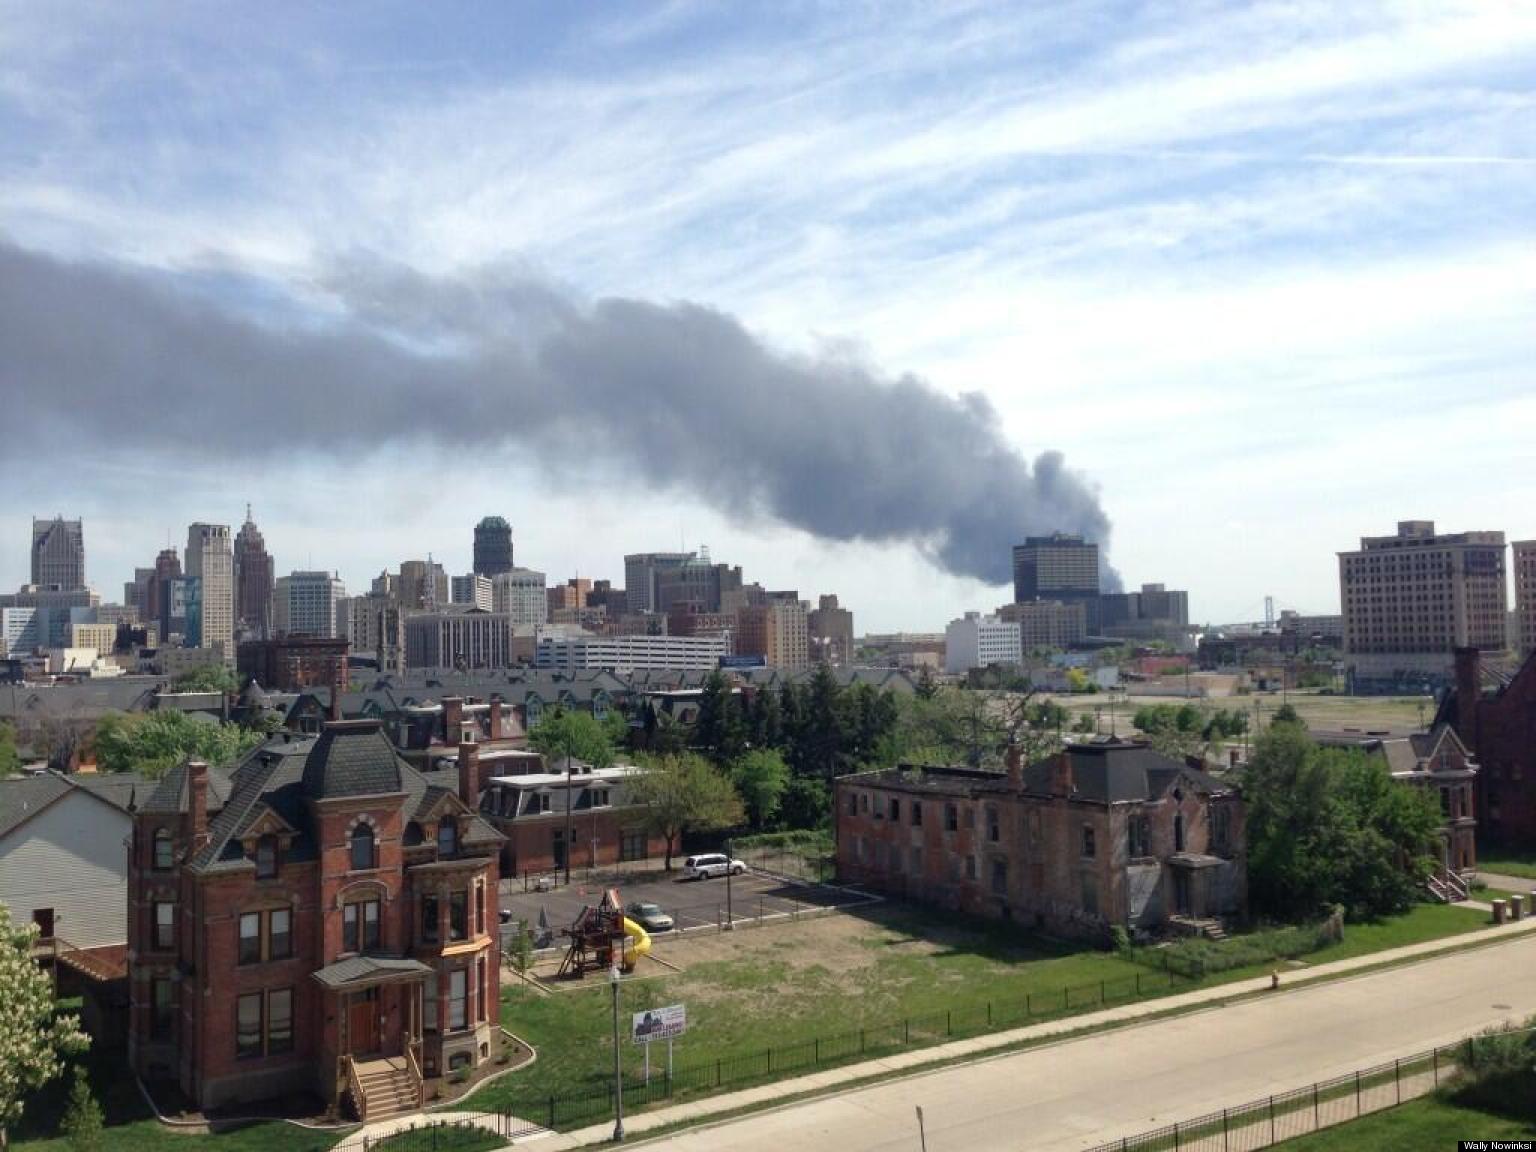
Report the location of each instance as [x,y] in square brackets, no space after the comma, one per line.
[388,1088]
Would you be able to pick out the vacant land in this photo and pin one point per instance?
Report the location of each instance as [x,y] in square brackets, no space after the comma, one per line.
[1320,713]
[852,977]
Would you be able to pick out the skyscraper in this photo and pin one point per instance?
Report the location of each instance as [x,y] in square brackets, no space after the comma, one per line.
[1055,567]
[641,570]
[211,561]
[1411,599]
[1524,638]
[308,604]
[167,569]
[58,553]
[253,581]
[493,547]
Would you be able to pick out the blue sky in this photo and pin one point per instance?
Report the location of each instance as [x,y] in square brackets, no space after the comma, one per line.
[1265,274]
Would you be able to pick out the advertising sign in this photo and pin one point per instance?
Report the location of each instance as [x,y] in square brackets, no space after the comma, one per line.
[743,662]
[659,1024]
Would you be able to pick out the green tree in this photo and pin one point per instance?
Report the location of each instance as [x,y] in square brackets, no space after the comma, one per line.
[764,726]
[580,735]
[685,793]
[152,742]
[82,1121]
[208,678]
[1287,714]
[807,803]
[760,777]
[720,731]
[10,759]
[34,1036]
[927,687]
[1330,826]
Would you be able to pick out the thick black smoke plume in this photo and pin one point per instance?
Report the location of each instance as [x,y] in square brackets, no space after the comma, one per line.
[681,397]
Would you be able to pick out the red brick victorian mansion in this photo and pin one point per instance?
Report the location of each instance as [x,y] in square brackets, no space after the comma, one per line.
[321,918]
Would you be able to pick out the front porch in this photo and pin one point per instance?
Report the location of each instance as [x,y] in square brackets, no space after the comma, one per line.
[374,1027]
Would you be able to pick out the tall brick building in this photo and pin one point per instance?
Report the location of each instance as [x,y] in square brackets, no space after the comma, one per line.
[323,918]
[1099,835]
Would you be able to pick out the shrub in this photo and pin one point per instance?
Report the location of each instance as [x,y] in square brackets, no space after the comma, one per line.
[82,1121]
[1197,956]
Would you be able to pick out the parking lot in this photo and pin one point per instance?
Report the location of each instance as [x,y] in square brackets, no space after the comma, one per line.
[691,903]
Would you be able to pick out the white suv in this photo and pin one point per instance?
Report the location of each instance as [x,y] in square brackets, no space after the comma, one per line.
[711,864]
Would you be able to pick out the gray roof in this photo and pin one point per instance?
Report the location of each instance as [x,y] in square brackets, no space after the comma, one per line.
[169,794]
[86,700]
[352,758]
[23,797]
[365,970]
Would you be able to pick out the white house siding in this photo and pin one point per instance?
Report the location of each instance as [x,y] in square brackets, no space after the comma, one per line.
[71,858]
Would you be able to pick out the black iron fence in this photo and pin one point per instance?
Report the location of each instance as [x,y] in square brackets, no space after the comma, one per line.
[593,1101]
[460,1134]
[1273,1119]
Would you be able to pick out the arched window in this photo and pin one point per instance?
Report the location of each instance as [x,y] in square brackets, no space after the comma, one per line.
[362,848]
[447,836]
[163,849]
[533,711]
[266,857]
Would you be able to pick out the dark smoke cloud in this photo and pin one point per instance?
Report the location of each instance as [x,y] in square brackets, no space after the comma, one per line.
[680,396]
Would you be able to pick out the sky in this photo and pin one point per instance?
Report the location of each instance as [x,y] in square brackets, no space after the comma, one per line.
[851,294]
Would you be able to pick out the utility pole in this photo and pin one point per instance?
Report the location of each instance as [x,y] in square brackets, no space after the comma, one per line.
[618,1065]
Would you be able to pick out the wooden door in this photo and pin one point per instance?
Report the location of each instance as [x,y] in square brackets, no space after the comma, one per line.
[363,1023]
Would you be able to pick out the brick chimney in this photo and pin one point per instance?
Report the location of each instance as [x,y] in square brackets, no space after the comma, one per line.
[1061,774]
[453,719]
[334,712]
[1014,760]
[495,717]
[1468,689]
[469,773]
[197,802]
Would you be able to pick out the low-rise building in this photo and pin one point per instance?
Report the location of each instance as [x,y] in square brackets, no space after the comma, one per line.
[567,809]
[1437,761]
[293,663]
[624,654]
[977,641]
[319,907]
[1497,724]
[1047,623]
[1100,835]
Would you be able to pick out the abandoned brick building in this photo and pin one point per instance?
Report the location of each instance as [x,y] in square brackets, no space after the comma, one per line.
[321,907]
[1497,723]
[1101,834]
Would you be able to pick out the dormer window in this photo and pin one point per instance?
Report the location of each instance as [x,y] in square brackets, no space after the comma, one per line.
[164,856]
[447,837]
[362,848]
[266,857]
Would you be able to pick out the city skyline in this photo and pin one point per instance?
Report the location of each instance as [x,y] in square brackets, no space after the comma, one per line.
[1222,261]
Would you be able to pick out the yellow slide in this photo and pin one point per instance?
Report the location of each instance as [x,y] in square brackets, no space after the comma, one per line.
[637,942]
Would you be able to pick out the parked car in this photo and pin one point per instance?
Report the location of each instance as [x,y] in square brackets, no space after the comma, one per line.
[709,865]
[649,916]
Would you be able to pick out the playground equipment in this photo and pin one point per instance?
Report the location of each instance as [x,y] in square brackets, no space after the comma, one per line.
[597,932]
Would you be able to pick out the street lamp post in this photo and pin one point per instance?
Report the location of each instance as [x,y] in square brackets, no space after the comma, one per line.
[730,868]
[618,1066]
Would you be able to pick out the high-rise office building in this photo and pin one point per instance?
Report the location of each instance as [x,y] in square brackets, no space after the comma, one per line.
[474,590]
[422,584]
[831,632]
[253,581]
[210,560]
[641,570]
[1055,567]
[493,546]
[1411,599]
[778,631]
[308,604]
[58,553]
[1525,596]
[521,595]
[167,568]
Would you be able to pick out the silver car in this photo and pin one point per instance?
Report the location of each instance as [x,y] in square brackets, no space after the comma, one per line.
[711,864]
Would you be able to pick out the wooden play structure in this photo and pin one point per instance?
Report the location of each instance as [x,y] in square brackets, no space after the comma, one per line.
[596,933]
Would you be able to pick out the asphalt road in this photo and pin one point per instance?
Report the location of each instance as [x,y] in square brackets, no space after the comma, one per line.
[1083,1092]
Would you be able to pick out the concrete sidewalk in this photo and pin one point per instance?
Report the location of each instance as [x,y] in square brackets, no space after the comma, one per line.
[767,1095]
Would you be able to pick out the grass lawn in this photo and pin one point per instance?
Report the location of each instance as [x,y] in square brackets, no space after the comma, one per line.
[825,980]
[1507,863]
[1432,1124]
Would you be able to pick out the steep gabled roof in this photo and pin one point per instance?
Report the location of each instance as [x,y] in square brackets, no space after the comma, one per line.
[170,794]
[25,796]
